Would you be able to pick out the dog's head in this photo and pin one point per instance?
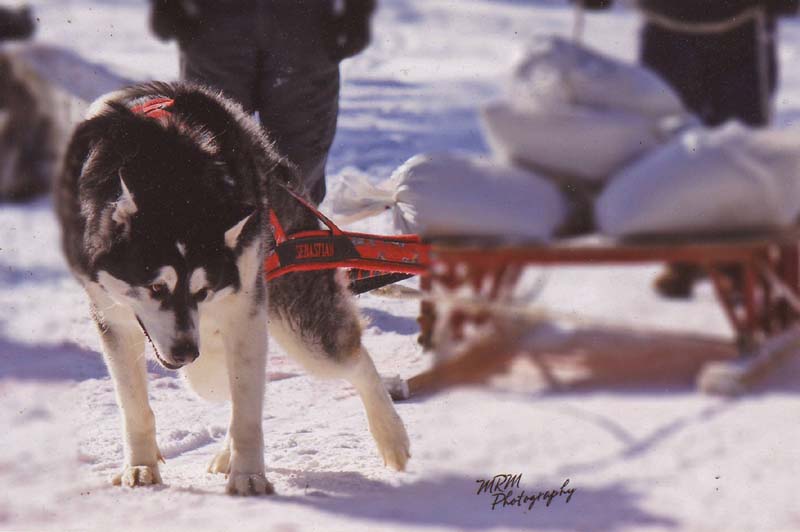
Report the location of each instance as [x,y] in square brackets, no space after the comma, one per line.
[171,225]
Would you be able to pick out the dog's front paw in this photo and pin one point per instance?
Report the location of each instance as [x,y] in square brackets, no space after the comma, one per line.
[249,484]
[221,463]
[392,439]
[140,475]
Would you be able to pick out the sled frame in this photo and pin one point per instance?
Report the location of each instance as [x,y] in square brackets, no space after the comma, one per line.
[756,279]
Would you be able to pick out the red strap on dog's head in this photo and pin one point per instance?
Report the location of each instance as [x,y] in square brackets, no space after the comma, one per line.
[157,108]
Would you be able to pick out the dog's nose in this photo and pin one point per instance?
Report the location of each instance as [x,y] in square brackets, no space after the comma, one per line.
[184,353]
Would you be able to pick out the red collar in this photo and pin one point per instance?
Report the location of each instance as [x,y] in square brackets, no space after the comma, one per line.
[157,108]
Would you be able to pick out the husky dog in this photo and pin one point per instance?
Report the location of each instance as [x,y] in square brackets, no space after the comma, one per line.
[164,204]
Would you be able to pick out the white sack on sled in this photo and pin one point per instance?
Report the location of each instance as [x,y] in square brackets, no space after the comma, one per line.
[707,181]
[554,71]
[568,142]
[444,194]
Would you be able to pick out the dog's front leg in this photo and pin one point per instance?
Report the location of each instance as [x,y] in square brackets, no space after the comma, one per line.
[246,356]
[123,351]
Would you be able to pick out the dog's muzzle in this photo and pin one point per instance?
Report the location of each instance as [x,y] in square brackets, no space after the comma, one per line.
[184,352]
[184,358]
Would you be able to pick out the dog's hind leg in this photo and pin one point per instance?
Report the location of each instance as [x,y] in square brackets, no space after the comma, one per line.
[123,350]
[314,319]
[385,425]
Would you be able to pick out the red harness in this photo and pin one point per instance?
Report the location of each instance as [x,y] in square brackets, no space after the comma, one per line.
[157,108]
[322,249]
[373,260]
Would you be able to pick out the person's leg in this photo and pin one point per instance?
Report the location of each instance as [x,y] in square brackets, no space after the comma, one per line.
[299,112]
[740,79]
[678,58]
[744,76]
[222,54]
[681,61]
[298,91]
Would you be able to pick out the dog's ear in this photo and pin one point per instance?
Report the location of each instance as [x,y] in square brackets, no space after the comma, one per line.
[125,207]
[232,235]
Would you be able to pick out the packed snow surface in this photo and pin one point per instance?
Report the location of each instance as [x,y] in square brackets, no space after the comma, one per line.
[649,457]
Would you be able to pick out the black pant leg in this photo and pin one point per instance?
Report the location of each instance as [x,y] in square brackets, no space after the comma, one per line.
[745,76]
[717,76]
[298,95]
[678,59]
[222,54]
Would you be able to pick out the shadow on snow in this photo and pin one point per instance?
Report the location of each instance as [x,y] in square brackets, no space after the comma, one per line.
[43,362]
[451,500]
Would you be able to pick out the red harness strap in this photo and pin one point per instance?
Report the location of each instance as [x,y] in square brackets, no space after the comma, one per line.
[323,249]
[371,256]
[157,108]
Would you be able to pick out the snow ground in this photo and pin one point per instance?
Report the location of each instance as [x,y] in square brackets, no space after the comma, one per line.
[652,457]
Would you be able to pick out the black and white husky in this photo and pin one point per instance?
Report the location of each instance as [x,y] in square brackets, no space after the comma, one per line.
[164,204]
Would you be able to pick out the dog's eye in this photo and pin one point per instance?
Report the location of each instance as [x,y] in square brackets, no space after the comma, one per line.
[201,295]
[158,289]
